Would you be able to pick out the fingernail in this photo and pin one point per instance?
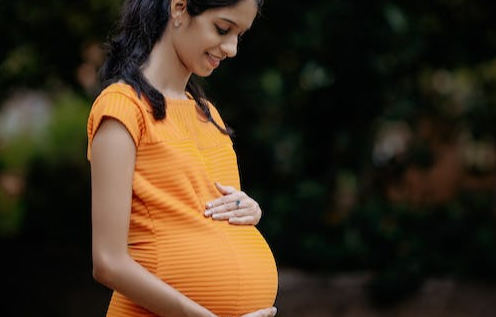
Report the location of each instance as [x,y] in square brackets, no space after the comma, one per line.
[209,205]
[208,213]
[274,311]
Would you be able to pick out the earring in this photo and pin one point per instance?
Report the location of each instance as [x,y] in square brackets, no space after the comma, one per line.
[177,23]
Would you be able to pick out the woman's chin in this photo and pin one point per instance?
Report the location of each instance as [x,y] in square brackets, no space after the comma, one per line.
[205,73]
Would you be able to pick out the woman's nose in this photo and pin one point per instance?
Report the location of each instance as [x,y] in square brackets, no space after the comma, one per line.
[230,46]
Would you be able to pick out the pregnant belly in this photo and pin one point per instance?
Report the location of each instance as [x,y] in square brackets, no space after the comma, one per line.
[228,269]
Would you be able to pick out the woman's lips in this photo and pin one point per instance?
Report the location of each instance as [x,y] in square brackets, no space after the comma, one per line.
[213,60]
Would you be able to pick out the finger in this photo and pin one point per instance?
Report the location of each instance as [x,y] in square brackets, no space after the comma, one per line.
[224,190]
[218,202]
[246,220]
[222,208]
[222,216]
[215,204]
[232,214]
[267,312]
[225,203]
[271,312]
[249,215]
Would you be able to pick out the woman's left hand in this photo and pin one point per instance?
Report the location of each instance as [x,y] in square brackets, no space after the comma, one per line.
[234,206]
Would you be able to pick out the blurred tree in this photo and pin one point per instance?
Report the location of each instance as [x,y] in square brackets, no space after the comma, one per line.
[42,42]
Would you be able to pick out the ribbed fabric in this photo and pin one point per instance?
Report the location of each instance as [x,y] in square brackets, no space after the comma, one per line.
[226,268]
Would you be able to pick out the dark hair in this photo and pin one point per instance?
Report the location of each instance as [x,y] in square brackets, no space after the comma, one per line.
[141,25]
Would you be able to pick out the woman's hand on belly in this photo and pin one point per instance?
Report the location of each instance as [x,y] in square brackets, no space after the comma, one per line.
[266,312]
[234,206]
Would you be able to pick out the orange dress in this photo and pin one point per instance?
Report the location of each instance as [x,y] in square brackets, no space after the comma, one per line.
[228,269]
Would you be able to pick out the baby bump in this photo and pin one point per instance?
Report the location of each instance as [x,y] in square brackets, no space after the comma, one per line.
[227,269]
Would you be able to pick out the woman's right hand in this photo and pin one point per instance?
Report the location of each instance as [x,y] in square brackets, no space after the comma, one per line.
[266,312]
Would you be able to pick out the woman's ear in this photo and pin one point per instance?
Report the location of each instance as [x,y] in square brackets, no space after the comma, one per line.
[178,8]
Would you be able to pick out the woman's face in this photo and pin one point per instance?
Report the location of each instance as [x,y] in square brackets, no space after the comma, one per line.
[203,41]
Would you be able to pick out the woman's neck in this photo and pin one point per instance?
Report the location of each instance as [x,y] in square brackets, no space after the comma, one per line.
[166,72]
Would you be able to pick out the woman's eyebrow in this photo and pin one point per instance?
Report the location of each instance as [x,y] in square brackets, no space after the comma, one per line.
[234,23]
[229,21]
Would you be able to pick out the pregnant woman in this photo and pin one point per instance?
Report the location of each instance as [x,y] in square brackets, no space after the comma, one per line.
[172,233]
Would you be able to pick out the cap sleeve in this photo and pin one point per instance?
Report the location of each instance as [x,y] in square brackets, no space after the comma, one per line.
[117,106]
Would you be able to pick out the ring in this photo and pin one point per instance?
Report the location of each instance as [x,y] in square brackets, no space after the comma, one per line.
[237,204]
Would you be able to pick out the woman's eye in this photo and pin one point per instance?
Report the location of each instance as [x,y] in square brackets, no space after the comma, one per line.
[221,31]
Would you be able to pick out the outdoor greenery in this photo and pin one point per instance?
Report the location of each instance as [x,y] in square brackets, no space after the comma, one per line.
[365,129]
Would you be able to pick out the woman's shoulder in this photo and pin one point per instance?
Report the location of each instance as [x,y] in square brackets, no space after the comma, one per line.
[119,101]
[119,88]
[123,95]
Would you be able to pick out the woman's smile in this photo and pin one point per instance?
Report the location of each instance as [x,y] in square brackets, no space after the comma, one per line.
[213,60]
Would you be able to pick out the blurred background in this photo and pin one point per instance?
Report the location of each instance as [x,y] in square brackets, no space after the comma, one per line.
[365,129]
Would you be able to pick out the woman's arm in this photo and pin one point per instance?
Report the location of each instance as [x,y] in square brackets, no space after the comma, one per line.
[112,168]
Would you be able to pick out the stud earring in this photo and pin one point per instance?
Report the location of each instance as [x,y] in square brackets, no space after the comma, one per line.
[177,23]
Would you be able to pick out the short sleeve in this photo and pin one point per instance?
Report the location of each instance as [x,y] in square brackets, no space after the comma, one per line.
[121,107]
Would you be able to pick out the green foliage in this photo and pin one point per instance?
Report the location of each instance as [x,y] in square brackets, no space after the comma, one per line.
[59,148]
[57,196]
[42,41]
[67,130]
[11,215]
